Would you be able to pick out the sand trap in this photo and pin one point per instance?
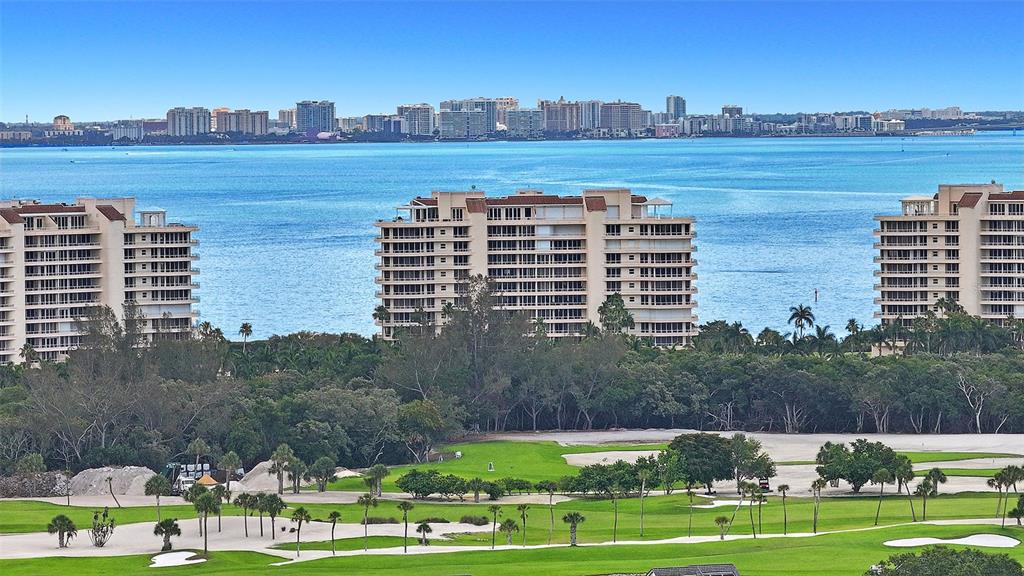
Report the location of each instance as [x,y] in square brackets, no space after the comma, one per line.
[609,457]
[720,503]
[175,559]
[986,540]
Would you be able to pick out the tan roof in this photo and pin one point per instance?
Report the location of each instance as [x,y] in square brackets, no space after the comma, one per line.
[206,480]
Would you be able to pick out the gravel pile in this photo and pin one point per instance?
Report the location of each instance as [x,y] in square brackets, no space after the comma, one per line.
[34,485]
[258,479]
[126,480]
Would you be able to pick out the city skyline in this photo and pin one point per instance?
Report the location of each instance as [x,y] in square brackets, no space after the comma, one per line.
[765,61]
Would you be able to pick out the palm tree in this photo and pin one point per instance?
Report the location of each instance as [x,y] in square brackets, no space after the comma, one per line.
[280,459]
[381,314]
[334,516]
[367,501]
[816,487]
[229,463]
[853,327]
[273,506]
[1018,511]
[924,490]
[377,473]
[220,492]
[245,331]
[801,318]
[300,515]
[158,485]
[423,529]
[573,519]
[549,486]
[615,492]
[64,528]
[476,485]
[508,527]
[192,495]
[246,502]
[205,505]
[167,529]
[642,475]
[405,506]
[751,491]
[689,520]
[523,515]
[882,476]
[937,476]
[904,475]
[783,488]
[494,509]
[259,504]
[723,523]
[198,448]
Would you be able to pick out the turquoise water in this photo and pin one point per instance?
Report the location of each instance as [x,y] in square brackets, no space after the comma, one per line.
[287,231]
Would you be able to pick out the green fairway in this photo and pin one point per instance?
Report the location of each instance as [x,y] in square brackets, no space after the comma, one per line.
[533,461]
[354,543]
[665,516]
[847,554]
[925,457]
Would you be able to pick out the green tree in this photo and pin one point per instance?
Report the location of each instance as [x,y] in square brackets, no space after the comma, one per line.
[192,496]
[377,473]
[300,515]
[334,516]
[405,506]
[246,502]
[801,318]
[704,458]
[508,528]
[245,331]
[31,463]
[423,528]
[279,461]
[613,314]
[937,476]
[273,505]
[523,510]
[723,526]
[948,562]
[322,471]
[573,519]
[158,485]
[1018,511]
[64,528]
[924,489]
[220,492]
[198,448]
[494,510]
[167,529]
[816,487]
[882,476]
[367,501]
[229,463]
[783,489]
[205,505]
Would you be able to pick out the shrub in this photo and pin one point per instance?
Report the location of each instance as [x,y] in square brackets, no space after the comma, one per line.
[378,520]
[475,520]
[433,520]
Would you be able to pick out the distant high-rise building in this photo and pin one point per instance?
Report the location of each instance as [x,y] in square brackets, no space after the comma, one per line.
[350,123]
[419,118]
[243,122]
[590,114]
[621,115]
[505,104]
[313,117]
[675,107]
[732,110]
[463,123]
[489,106]
[132,130]
[286,117]
[188,121]
[525,122]
[62,126]
[560,115]
[214,118]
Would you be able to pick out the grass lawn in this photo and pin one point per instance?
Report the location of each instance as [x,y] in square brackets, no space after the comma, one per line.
[925,457]
[848,554]
[353,543]
[532,461]
[665,516]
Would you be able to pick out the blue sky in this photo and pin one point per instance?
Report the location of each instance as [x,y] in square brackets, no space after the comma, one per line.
[95,60]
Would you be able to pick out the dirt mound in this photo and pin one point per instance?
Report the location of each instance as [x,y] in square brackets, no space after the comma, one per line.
[259,479]
[128,480]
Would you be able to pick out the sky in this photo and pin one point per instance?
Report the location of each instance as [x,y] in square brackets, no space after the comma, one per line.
[100,60]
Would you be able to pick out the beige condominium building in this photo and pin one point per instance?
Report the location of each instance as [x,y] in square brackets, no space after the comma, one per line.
[57,261]
[964,244]
[555,258]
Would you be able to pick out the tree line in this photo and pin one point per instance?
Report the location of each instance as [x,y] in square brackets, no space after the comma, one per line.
[360,402]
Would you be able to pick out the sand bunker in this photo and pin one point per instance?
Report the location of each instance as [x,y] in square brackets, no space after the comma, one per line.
[175,559]
[609,457]
[986,540]
[130,480]
[259,479]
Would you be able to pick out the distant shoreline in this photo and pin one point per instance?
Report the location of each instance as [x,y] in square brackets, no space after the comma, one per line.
[935,132]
